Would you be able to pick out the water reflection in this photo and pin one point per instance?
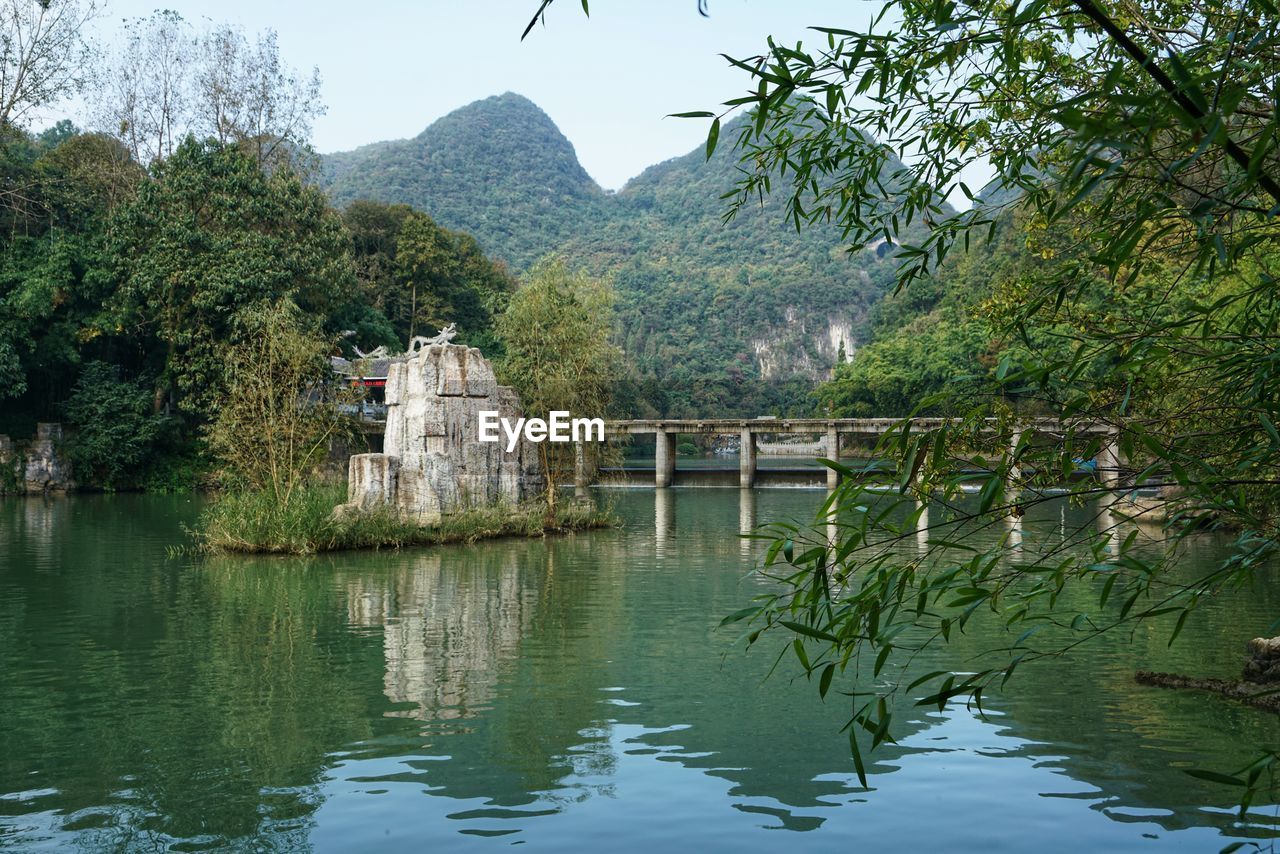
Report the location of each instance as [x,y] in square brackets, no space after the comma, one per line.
[747,520]
[664,520]
[922,527]
[567,691]
[445,637]
[1014,537]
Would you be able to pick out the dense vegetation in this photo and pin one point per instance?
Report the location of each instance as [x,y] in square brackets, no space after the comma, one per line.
[498,169]
[127,292]
[714,319]
[415,276]
[932,344]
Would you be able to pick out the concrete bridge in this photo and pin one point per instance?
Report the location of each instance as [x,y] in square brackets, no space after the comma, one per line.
[829,430]
[665,432]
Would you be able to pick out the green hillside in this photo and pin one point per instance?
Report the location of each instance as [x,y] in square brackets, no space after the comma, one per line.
[499,169]
[716,318]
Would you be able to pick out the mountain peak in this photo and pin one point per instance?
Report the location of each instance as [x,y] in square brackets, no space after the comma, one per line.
[506,106]
[502,149]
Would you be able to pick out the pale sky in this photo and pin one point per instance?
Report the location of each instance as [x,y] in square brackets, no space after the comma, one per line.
[391,67]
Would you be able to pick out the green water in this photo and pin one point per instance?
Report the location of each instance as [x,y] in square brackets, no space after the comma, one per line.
[568,693]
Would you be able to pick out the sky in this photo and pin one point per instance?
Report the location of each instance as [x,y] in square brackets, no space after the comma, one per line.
[391,67]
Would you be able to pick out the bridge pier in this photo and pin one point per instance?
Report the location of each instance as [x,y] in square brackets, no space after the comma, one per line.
[747,459]
[1015,471]
[1109,461]
[664,459]
[833,454]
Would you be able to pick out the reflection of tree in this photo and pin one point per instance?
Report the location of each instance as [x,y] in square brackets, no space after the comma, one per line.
[161,702]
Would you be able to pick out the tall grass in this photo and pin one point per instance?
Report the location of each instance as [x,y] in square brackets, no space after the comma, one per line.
[257,522]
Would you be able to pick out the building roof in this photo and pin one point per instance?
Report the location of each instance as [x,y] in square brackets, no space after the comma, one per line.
[370,369]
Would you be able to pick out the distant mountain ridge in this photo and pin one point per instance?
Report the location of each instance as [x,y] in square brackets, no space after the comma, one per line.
[717,318]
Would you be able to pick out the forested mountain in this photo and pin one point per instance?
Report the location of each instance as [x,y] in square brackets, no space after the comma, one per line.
[498,169]
[715,318]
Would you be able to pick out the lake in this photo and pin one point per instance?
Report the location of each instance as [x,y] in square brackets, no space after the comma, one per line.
[566,693]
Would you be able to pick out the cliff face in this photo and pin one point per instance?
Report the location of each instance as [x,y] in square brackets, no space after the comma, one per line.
[433,463]
[808,347]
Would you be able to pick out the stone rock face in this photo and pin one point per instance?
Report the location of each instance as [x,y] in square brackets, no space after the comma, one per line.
[433,462]
[9,478]
[1262,660]
[46,470]
[38,467]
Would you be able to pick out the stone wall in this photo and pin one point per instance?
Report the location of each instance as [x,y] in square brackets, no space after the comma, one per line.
[432,461]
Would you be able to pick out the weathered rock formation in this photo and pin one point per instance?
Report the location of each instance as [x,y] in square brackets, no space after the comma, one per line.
[9,478]
[432,462]
[1262,660]
[38,467]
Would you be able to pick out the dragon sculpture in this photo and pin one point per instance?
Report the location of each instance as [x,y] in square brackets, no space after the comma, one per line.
[416,344]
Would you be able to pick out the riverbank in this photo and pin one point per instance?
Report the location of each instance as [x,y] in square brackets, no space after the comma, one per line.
[257,523]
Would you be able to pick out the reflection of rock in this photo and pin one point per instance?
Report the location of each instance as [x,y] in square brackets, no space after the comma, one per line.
[445,635]
[1255,688]
[1249,693]
[433,462]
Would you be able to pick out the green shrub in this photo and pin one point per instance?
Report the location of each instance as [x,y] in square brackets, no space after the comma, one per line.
[115,428]
[181,469]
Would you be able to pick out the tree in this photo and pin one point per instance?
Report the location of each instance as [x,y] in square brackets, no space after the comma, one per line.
[55,271]
[115,427]
[146,97]
[246,95]
[558,356]
[168,81]
[1141,147]
[44,54]
[1163,181]
[212,234]
[278,413]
